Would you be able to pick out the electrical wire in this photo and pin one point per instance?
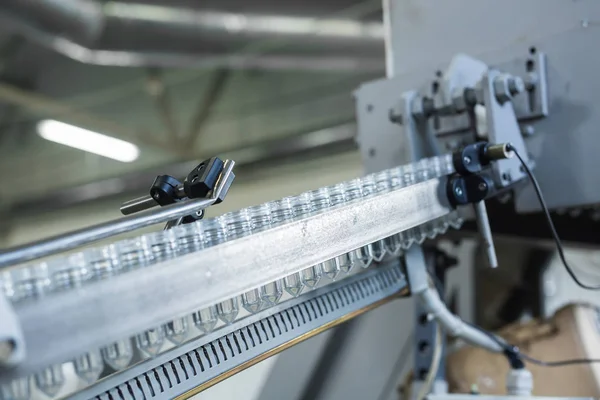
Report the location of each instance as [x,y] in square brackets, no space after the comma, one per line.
[516,357]
[557,241]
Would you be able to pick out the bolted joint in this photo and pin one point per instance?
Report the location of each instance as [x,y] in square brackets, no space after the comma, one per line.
[462,190]
[459,101]
[507,86]
[422,108]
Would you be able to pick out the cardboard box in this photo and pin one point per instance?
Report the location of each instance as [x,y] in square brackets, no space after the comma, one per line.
[574,332]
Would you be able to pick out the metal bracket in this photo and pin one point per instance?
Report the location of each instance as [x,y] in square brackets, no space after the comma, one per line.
[502,127]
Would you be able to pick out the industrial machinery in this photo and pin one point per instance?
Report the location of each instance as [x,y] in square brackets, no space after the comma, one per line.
[168,314]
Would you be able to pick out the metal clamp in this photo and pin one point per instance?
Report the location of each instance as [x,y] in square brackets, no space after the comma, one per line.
[130,223]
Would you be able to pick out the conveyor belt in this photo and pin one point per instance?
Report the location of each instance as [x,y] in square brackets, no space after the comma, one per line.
[195,366]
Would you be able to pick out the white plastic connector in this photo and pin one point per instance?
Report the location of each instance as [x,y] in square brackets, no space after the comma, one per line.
[519,382]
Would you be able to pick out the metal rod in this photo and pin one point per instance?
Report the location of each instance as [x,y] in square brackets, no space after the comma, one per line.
[105,230]
[483,223]
[94,233]
[137,205]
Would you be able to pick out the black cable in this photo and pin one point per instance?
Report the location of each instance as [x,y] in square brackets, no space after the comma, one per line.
[516,357]
[557,241]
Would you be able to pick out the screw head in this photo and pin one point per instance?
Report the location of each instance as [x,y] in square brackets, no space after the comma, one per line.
[458,191]
[482,186]
[156,196]
[467,160]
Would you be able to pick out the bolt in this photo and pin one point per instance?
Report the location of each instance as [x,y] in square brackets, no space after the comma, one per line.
[458,191]
[506,86]
[467,160]
[156,196]
[482,187]
[516,85]
[527,130]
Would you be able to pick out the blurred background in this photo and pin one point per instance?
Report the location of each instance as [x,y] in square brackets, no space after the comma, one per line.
[266,83]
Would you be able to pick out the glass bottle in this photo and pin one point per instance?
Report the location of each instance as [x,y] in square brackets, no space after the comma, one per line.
[30,282]
[118,354]
[369,189]
[133,253]
[383,184]
[89,366]
[17,389]
[103,263]
[337,197]
[151,341]
[137,253]
[352,192]
[164,246]
[206,319]
[320,201]
[425,171]
[66,274]
[239,225]
[189,238]
[215,232]
[412,235]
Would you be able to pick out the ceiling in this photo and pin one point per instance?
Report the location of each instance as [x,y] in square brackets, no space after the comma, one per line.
[179,112]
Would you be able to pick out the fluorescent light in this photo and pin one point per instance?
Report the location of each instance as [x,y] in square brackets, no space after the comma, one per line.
[92,142]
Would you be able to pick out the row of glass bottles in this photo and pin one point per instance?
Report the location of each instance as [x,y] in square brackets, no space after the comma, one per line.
[126,255]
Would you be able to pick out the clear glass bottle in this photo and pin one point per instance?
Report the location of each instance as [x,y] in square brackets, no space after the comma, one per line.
[239,225]
[30,282]
[425,171]
[353,192]
[206,319]
[133,253]
[118,354]
[260,219]
[189,237]
[17,389]
[320,201]
[396,244]
[215,232]
[103,262]
[151,341]
[369,189]
[137,253]
[383,183]
[89,366]
[50,380]
[66,274]
[164,245]
[337,197]
[409,177]
[282,211]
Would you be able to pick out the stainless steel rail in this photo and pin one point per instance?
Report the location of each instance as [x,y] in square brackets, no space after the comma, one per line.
[94,233]
[64,325]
